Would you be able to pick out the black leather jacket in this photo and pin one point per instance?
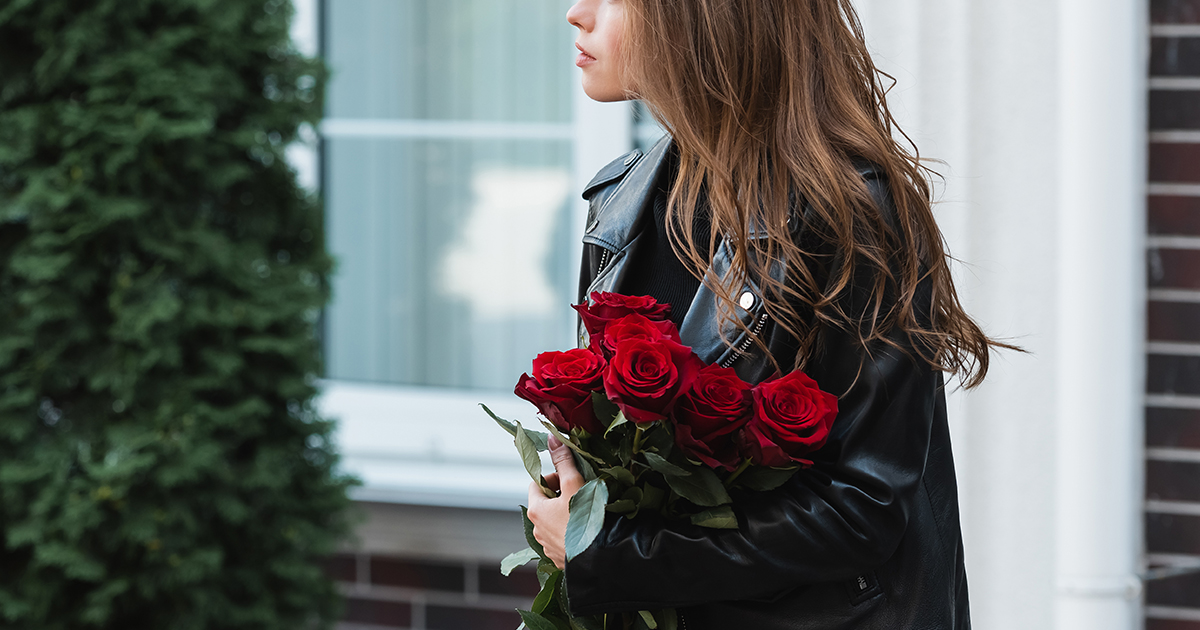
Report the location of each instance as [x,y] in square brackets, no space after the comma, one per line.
[868,538]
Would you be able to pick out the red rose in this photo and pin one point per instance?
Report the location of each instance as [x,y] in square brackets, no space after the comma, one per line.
[603,308]
[791,419]
[633,326]
[561,388]
[707,417]
[645,377]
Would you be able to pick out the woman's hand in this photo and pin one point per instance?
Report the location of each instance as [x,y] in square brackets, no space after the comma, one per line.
[549,516]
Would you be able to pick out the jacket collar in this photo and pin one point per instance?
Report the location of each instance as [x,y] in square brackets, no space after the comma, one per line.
[617,220]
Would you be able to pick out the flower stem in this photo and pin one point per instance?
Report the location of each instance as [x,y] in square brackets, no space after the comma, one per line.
[637,438]
[741,469]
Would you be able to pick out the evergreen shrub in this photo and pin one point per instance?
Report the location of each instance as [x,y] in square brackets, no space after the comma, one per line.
[161,280]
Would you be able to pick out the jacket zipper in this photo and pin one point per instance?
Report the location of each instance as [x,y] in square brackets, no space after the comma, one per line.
[682,622]
[603,261]
[745,345]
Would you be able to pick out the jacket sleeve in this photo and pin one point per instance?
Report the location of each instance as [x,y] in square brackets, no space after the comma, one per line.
[845,515]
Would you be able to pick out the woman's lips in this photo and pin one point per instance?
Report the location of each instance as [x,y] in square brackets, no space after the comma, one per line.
[584,59]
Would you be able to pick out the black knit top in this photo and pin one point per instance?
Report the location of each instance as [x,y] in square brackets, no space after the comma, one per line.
[654,269]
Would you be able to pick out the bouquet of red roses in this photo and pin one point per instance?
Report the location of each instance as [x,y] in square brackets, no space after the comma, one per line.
[653,428]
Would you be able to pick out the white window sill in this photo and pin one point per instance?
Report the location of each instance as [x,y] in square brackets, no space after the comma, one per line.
[428,446]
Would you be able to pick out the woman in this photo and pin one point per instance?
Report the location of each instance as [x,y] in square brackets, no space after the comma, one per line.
[788,230]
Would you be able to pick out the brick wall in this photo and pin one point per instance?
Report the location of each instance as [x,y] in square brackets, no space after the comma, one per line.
[1173,364]
[416,567]
[393,592]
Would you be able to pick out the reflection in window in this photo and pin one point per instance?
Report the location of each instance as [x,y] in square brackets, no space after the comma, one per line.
[447,154]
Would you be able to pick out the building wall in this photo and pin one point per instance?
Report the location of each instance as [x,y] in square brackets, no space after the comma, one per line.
[1037,109]
[432,568]
[1173,378]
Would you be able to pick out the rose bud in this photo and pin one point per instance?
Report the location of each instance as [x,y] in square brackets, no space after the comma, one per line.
[561,388]
[645,377]
[603,308]
[633,326]
[709,415]
[791,419]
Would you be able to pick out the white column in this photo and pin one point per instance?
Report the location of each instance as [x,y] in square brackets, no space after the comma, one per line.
[1037,108]
[603,131]
[1100,313]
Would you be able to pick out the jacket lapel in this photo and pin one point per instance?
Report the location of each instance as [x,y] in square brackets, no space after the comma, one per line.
[619,220]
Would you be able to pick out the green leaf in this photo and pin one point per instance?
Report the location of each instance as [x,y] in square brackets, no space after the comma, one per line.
[540,440]
[534,621]
[652,497]
[660,464]
[649,619]
[762,478]
[560,623]
[586,516]
[622,475]
[617,421]
[587,623]
[585,468]
[622,506]
[606,410]
[625,451]
[702,487]
[546,570]
[533,463]
[720,517]
[668,619]
[516,559]
[569,442]
[533,542]
[546,595]
[658,438]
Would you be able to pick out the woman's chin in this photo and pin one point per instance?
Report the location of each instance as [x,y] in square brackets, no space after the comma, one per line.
[604,93]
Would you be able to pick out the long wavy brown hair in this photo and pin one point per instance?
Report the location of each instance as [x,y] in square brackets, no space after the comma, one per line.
[774,101]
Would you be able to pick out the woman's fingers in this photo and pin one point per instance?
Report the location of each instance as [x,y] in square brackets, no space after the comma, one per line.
[536,496]
[549,518]
[550,515]
[569,479]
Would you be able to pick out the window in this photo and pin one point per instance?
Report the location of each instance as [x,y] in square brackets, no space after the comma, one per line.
[447,173]
[454,146]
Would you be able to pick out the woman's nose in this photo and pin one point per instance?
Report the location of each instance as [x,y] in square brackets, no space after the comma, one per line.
[579,15]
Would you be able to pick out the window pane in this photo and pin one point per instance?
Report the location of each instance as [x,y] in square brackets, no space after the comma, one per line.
[447,151]
[495,60]
[451,259]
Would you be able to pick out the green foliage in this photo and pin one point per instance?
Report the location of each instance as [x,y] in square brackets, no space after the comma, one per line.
[161,277]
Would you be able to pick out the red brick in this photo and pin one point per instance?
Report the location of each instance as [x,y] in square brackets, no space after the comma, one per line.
[1173,321]
[1171,624]
[1174,56]
[452,618]
[1174,162]
[1173,481]
[1174,215]
[437,576]
[1171,374]
[378,613]
[521,582]
[1175,11]
[1174,109]
[1173,428]
[1172,533]
[1181,591]
[342,567]
[1177,268]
